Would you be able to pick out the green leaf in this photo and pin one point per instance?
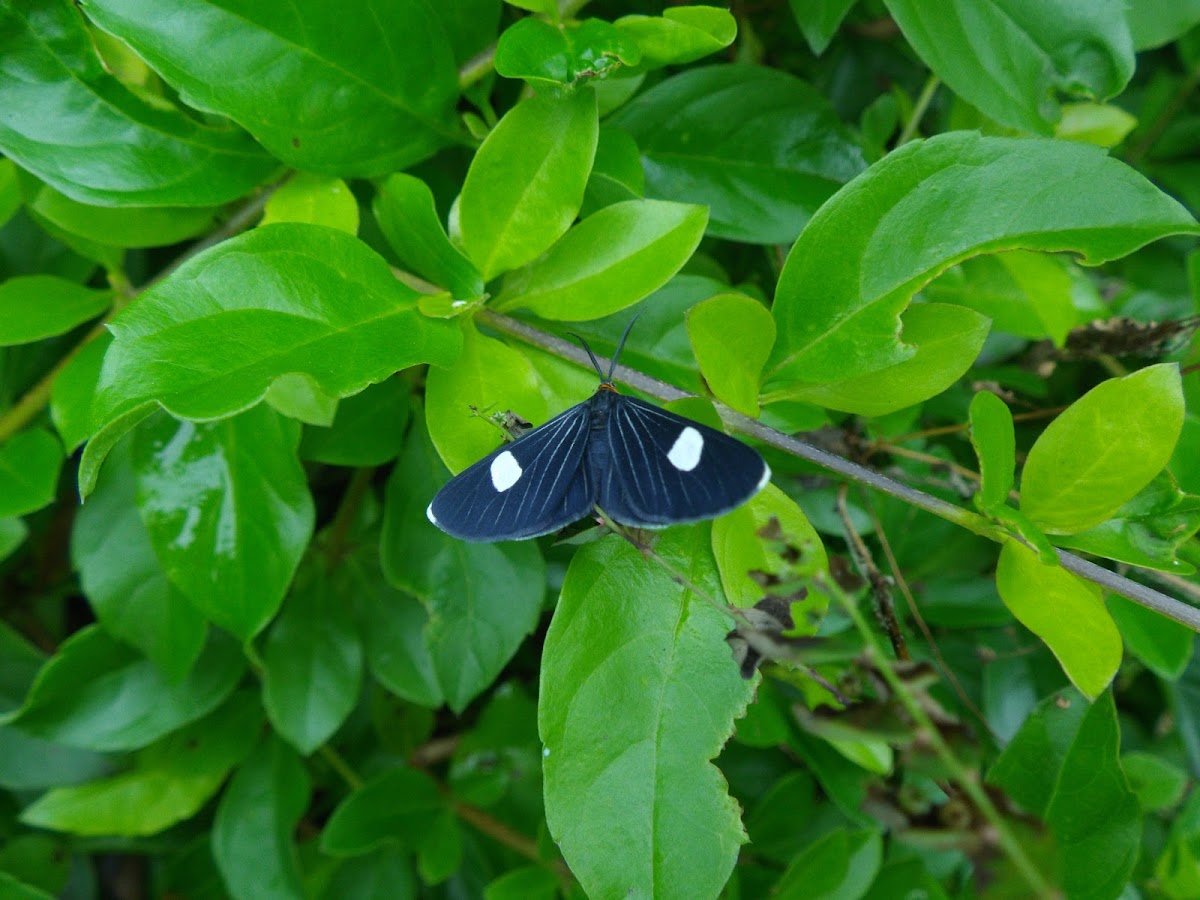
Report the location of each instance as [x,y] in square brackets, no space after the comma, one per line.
[29,464]
[368,429]
[315,199]
[932,204]
[255,820]
[312,665]
[397,805]
[528,883]
[97,694]
[1065,612]
[731,335]
[546,54]
[945,339]
[298,77]
[385,874]
[1106,447]
[15,889]
[85,146]
[839,866]
[34,307]
[405,210]
[483,599]
[617,173]
[297,396]
[73,390]
[760,148]
[122,578]
[13,532]
[131,226]
[525,184]
[616,774]
[609,261]
[228,511]
[1147,531]
[39,861]
[994,441]
[10,191]
[1157,783]
[1154,24]
[298,296]
[1063,766]
[1095,123]
[493,378]
[683,34]
[169,782]
[1022,54]
[819,20]
[1161,644]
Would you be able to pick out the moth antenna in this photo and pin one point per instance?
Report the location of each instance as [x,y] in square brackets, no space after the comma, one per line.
[612,366]
[591,355]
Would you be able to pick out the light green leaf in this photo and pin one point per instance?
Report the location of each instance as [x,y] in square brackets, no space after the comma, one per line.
[616,773]
[994,441]
[129,226]
[29,464]
[315,199]
[405,210]
[312,664]
[256,818]
[1103,450]
[34,307]
[525,184]
[932,204]
[169,782]
[1095,123]
[100,695]
[946,340]
[368,429]
[732,335]
[297,396]
[840,866]
[396,806]
[547,54]
[298,77]
[122,578]
[760,148]
[1065,612]
[609,261]
[683,34]
[228,511]
[300,298]
[1023,53]
[10,191]
[1063,766]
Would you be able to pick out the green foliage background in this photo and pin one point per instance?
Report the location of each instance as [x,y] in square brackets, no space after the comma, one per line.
[269,272]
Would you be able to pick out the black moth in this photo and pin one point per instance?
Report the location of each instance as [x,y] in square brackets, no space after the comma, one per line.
[643,466]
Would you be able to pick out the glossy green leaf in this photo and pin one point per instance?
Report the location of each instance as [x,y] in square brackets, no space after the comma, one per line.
[29,464]
[492,377]
[72,124]
[483,599]
[609,261]
[525,184]
[252,832]
[683,34]
[130,226]
[617,173]
[839,866]
[945,339]
[315,199]
[1154,24]
[97,694]
[994,441]
[122,578]
[397,805]
[169,781]
[367,430]
[760,148]
[1161,644]
[819,20]
[732,335]
[312,664]
[227,509]
[13,532]
[1103,450]
[297,77]
[1065,612]
[301,298]
[616,772]
[1095,123]
[1063,766]
[932,204]
[1023,53]
[543,53]
[73,389]
[40,306]
[405,210]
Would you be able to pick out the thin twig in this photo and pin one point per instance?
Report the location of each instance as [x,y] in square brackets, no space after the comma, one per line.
[885,609]
[918,111]
[1138,593]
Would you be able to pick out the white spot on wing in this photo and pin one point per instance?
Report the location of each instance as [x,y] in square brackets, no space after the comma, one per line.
[506,471]
[685,452]
[766,476]
[429,514]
